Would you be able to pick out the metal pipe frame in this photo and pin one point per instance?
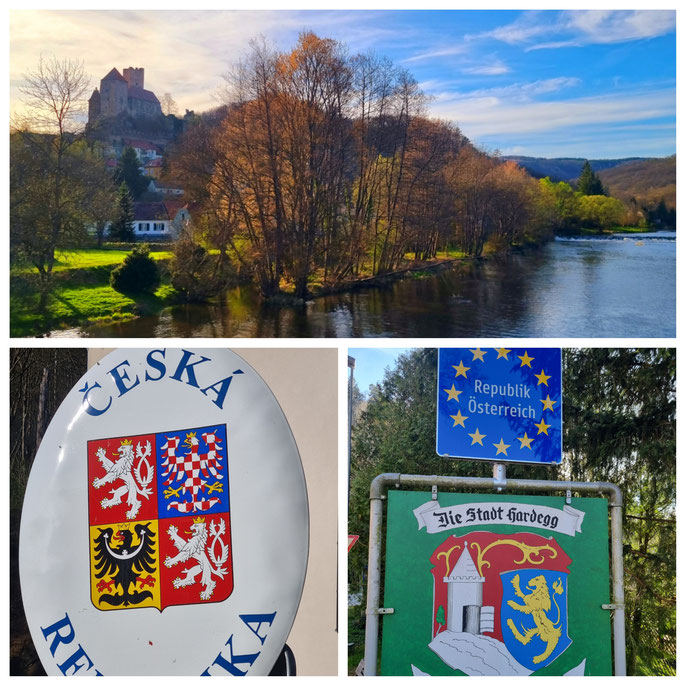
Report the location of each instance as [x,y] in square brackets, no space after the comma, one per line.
[377,494]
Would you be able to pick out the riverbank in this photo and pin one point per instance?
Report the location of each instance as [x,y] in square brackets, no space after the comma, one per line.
[83,297]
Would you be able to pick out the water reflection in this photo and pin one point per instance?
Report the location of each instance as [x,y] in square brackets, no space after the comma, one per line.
[579,287]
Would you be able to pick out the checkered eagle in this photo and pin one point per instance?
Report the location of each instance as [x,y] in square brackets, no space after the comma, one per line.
[194,470]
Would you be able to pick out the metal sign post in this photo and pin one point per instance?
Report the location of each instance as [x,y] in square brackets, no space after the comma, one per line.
[567,521]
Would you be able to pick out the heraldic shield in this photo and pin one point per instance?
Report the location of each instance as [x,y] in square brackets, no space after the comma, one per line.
[500,600]
[534,615]
[159,519]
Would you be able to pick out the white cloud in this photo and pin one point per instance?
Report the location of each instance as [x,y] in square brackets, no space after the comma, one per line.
[488,116]
[515,92]
[607,26]
[583,27]
[448,51]
[493,69]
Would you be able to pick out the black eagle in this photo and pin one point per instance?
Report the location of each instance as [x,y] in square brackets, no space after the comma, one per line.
[116,556]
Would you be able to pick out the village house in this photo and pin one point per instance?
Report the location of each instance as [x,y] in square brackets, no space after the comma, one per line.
[160,220]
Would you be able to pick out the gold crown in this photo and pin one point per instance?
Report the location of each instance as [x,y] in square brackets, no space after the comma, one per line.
[127,441]
[199,520]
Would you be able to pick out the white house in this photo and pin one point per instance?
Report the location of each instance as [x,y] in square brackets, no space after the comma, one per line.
[154,220]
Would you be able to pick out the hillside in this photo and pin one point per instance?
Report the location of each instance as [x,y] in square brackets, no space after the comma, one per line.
[565,168]
[646,180]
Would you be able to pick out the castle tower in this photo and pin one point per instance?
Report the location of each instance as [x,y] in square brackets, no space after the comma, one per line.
[135,76]
[114,91]
[94,106]
[465,596]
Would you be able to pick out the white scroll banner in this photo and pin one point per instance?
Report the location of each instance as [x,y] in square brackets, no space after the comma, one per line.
[437,519]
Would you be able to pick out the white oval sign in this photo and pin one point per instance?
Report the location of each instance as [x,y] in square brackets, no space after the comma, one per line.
[165,524]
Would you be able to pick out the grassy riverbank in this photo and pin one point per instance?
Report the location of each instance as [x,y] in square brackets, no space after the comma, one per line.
[82,294]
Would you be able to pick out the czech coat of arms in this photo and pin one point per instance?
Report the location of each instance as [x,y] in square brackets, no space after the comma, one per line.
[500,603]
[159,519]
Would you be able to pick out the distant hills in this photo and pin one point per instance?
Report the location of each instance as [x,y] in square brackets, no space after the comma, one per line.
[565,168]
[647,179]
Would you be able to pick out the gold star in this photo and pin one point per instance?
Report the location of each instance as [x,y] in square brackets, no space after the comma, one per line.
[459,418]
[461,370]
[542,427]
[477,437]
[502,352]
[526,360]
[525,442]
[453,393]
[478,354]
[548,403]
[542,378]
[502,447]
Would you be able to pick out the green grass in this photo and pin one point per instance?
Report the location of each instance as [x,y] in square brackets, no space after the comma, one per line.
[81,293]
[87,258]
[82,305]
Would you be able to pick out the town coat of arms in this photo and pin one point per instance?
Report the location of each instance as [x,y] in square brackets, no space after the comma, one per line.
[159,519]
[500,602]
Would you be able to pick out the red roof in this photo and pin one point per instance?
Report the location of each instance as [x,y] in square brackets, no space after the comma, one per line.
[174,206]
[141,145]
[114,75]
[156,162]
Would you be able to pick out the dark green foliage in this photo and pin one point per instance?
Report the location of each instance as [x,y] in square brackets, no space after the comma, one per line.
[138,273]
[129,172]
[589,182]
[196,273]
[620,408]
[619,426]
[122,227]
[659,216]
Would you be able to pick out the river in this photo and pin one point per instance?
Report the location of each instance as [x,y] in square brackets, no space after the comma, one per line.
[621,286]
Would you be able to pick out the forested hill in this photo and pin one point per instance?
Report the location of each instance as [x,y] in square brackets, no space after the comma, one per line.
[565,168]
[648,181]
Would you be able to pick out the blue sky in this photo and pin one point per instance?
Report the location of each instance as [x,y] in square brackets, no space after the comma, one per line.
[371,364]
[594,84]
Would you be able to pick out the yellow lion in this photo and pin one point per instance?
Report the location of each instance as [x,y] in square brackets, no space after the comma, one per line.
[537,604]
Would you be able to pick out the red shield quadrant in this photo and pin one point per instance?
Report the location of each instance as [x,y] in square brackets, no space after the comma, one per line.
[475,562]
[154,542]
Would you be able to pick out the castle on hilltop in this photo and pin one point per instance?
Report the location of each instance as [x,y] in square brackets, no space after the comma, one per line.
[123,94]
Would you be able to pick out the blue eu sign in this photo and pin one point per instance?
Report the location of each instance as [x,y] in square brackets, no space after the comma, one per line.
[500,404]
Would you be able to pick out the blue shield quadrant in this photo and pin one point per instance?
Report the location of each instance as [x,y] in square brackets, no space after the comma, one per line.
[533,615]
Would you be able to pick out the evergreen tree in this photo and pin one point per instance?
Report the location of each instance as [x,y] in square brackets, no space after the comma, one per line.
[129,172]
[122,228]
[589,182]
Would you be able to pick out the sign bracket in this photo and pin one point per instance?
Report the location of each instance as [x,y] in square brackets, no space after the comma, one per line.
[382,482]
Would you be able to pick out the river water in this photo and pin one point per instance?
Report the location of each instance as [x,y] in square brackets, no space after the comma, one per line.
[623,286]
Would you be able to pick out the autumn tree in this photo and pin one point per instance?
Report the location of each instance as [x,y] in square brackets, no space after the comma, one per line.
[51,168]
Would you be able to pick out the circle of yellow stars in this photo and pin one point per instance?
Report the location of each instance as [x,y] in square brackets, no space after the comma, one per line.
[477,437]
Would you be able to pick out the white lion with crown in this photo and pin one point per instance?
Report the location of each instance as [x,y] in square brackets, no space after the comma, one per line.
[198,548]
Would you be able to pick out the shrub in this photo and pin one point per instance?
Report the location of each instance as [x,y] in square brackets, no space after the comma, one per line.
[138,273]
[195,273]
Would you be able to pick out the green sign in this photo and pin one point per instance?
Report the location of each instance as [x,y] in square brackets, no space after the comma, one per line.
[486,584]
